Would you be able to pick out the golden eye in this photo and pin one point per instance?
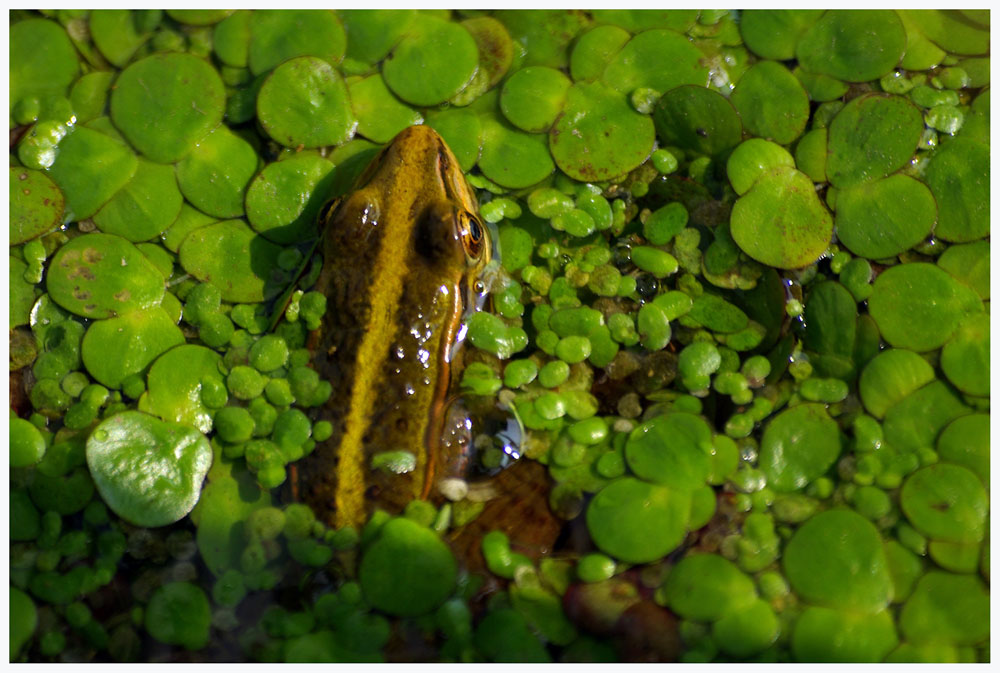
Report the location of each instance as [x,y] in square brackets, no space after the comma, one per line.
[473,233]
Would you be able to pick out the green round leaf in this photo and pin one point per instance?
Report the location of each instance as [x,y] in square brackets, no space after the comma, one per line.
[914,423]
[214,177]
[754,158]
[966,441]
[871,137]
[36,204]
[407,570]
[101,276]
[947,608]
[951,30]
[284,199]
[640,63]
[179,614]
[636,521]
[116,348]
[434,61]
[799,445]
[278,35]
[959,178]
[885,217]
[746,632]
[599,136]
[780,220]
[165,103]
[825,635]
[239,262]
[706,587]
[175,383]
[946,502]
[533,97]
[965,359]
[372,33]
[116,33]
[27,446]
[774,33]
[148,471]
[380,114]
[853,44]
[969,263]
[594,49]
[42,59]
[462,130]
[698,119]
[771,102]
[836,559]
[304,104]
[89,169]
[144,207]
[512,158]
[672,450]
[889,377]
[919,306]
[199,17]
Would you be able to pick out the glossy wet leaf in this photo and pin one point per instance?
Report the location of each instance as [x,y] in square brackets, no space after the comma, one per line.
[434,61]
[885,217]
[304,104]
[946,502]
[36,204]
[775,33]
[215,176]
[919,306]
[843,636]
[277,35]
[116,34]
[853,45]
[636,521]
[671,450]
[533,97]
[966,442]
[380,114]
[872,136]
[165,103]
[145,206]
[283,201]
[780,220]
[965,359]
[89,169]
[513,158]
[101,275]
[640,63]
[187,221]
[22,293]
[599,136]
[593,49]
[179,614]
[753,159]
[636,20]
[914,422]
[175,382]
[407,570]
[798,445]
[950,30]
[372,33]
[231,256]
[836,560]
[89,95]
[462,130]
[116,348]
[23,620]
[699,119]
[890,376]
[947,608]
[706,587]
[148,471]
[42,59]
[717,314]
[771,102]
[959,177]
[970,264]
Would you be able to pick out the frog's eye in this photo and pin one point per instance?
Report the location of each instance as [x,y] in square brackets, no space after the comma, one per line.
[473,233]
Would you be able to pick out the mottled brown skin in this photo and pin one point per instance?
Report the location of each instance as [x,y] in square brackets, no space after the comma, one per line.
[401,254]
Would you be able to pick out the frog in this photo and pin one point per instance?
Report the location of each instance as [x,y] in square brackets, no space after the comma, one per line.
[403,254]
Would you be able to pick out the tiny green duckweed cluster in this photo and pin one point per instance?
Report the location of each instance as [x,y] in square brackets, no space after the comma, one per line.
[740,316]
